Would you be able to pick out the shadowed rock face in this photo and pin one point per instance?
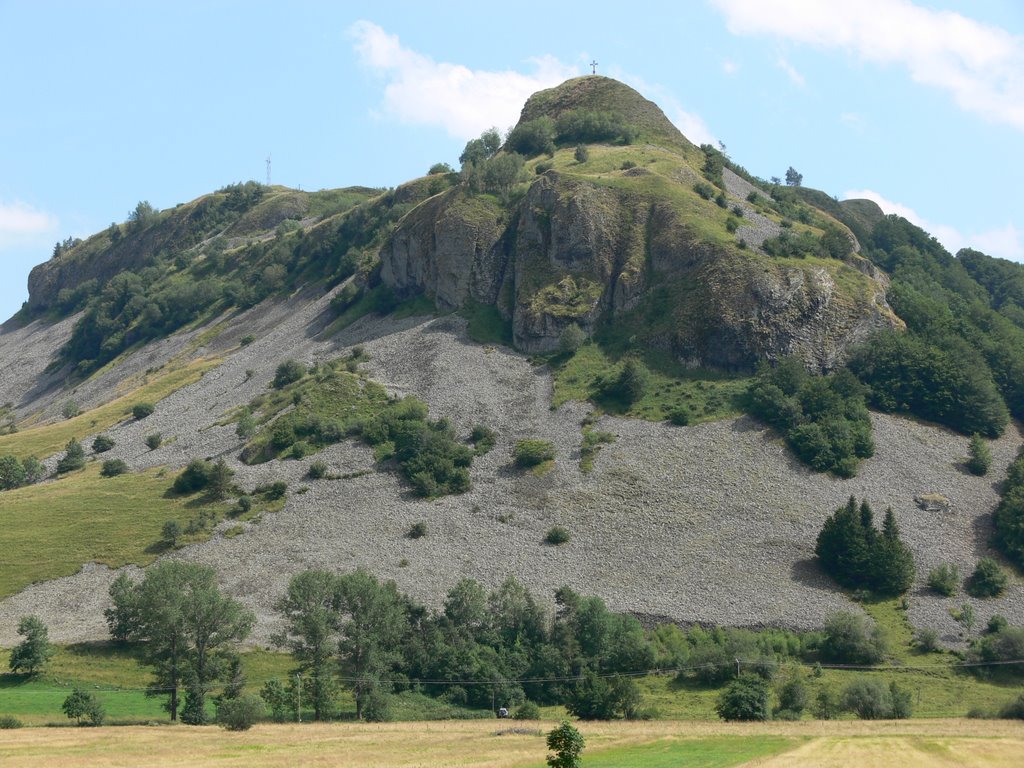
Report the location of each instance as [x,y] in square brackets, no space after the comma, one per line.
[574,252]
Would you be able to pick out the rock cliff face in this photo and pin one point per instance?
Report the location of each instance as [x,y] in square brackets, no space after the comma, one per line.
[576,251]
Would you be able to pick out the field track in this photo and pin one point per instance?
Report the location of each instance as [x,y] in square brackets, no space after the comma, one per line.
[480,744]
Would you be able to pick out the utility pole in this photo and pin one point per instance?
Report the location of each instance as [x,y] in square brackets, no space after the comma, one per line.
[268,170]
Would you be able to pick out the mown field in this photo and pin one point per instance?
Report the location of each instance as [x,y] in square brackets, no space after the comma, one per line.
[476,744]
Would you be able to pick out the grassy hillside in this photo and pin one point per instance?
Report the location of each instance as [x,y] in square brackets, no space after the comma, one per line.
[50,529]
[49,439]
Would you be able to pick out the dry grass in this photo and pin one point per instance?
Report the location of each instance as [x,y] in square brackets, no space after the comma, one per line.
[477,744]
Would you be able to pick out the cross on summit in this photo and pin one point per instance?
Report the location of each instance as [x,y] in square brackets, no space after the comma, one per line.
[593,67]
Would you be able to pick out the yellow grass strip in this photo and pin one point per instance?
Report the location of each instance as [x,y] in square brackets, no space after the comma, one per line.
[49,439]
[475,744]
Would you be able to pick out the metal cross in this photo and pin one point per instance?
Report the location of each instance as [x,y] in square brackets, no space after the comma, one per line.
[593,67]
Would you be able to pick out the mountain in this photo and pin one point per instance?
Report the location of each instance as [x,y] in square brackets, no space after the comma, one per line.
[366,361]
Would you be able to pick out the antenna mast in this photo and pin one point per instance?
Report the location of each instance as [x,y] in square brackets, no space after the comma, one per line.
[268,170]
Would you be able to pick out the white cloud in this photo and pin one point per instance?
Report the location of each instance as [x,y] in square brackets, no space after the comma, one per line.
[463,101]
[21,223]
[790,70]
[1006,242]
[730,67]
[980,65]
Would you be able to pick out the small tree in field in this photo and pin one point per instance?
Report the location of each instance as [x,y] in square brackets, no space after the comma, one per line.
[83,705]
[567,744]
[746,698]
[981,456]
[34,652]
[74,457]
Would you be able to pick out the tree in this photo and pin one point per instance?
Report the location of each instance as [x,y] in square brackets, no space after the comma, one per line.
[372,629]
[12,473]
[980,456]
[440,168]
[567,745]
[745,698]
[571,339]
[35,470]
[867,698]
[74,457]
[188,629]
[501,173]
[312,611]
[170,533]
[598,698]
[241,713]
[123,620]
[850,639]
[219,484]
[33,653]
[988,579]
[483,148]
[83,704]
[629,385]
[893,564]
[793,178]
[582,154]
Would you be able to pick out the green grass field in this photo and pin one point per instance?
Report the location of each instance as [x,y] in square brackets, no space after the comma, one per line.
[50,529]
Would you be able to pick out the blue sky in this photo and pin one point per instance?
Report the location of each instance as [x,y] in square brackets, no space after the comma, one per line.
[919,105]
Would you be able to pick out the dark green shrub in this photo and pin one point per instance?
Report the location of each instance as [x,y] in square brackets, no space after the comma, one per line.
[70,409]
[154,441]
[533,137]
[571,339]
[301,449]
[582,154]
[483,439]
[868,698]
[241,713]
[34,470]
[10,722]
[996,623]
[273,491]
[530,453]
[980,456]
[247,340]
[376,706]
[195,477]
[600,698]
[557,535]
[170,533]
[988,579]
[83,707]
[851,639]
[317,470]
[627,165]
[244,504]
[793,697]
[732,224]
[680,416]
[12,473]
[113,468]
[704,189]
[945,579]
[418,530]
[288,372]
[1013,710]
[927,639]
[246,425]
[629,385]
[142,410]
[721,200]
[102,443]
[528,710]
[902,702]
[73,458]
[543,167]
[744,699]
